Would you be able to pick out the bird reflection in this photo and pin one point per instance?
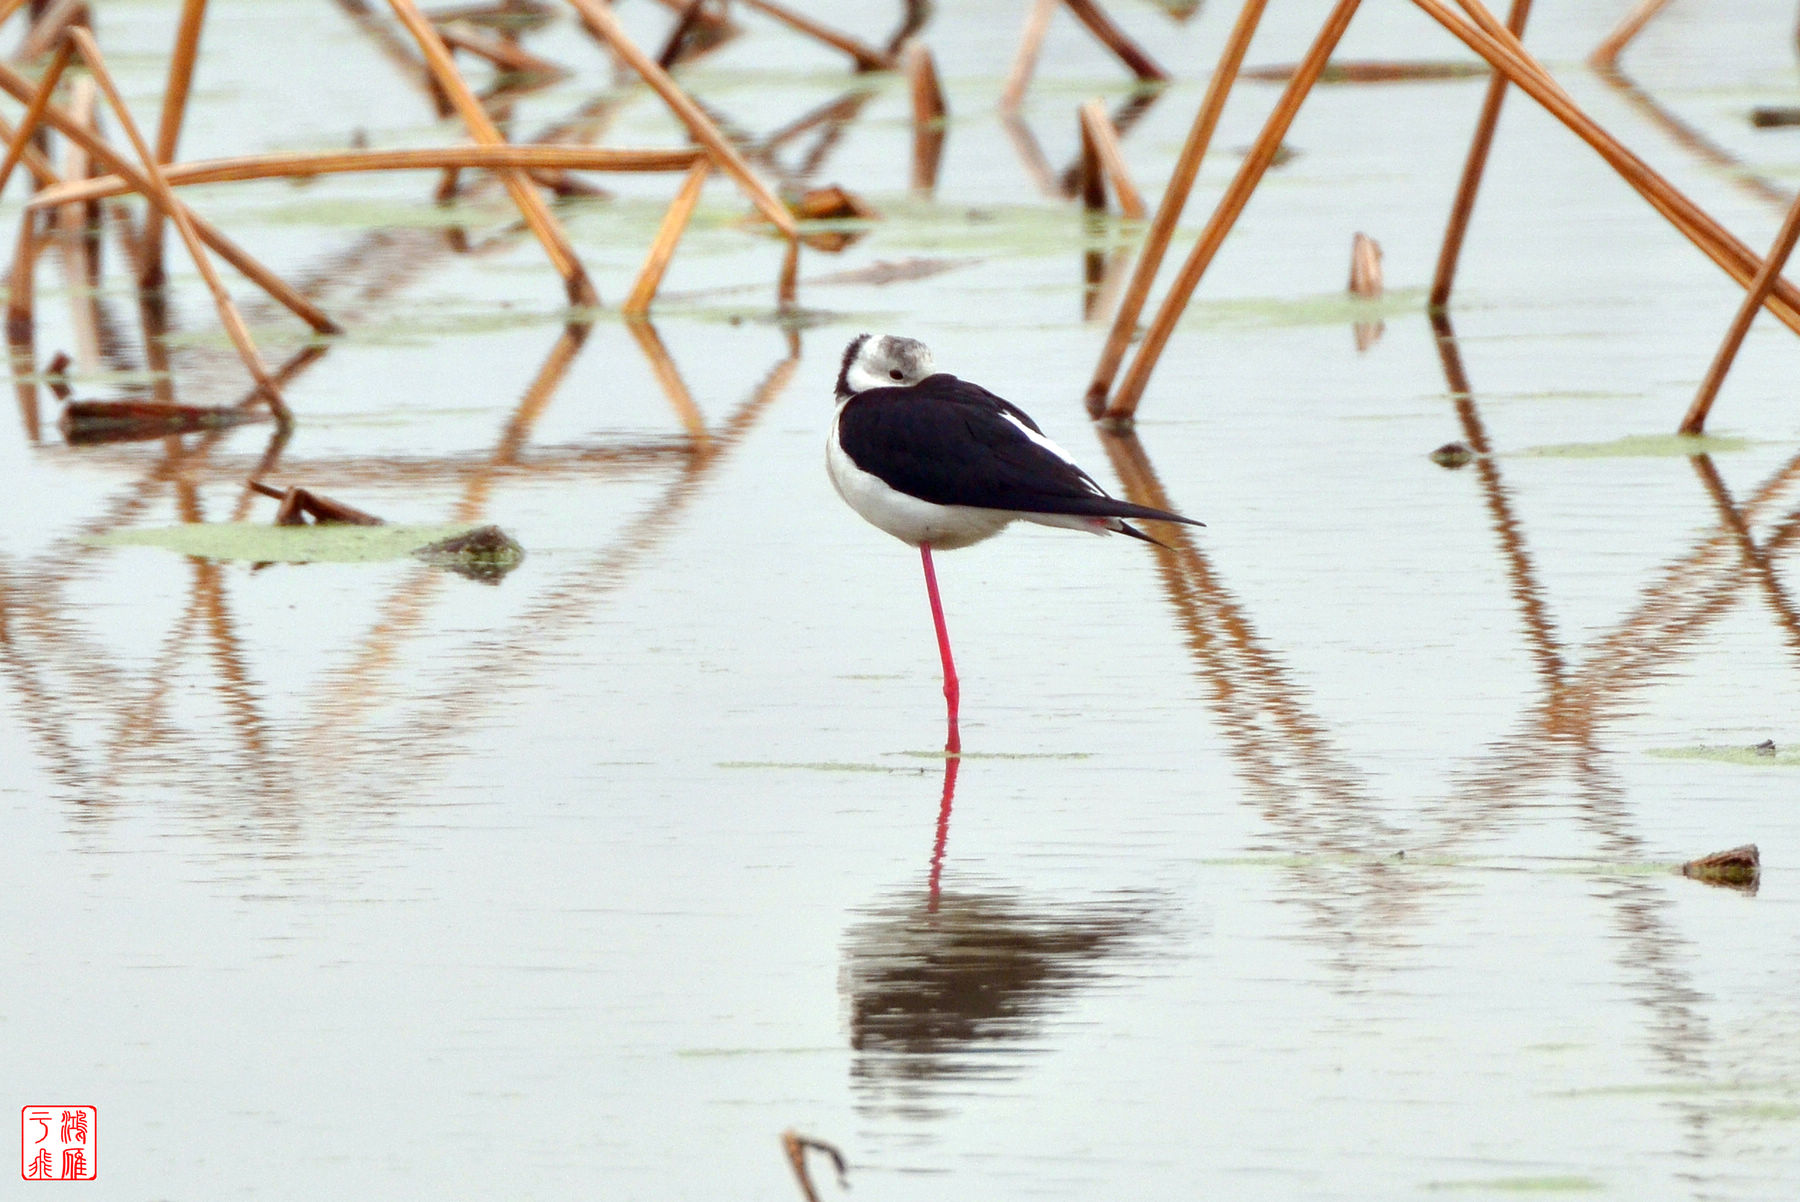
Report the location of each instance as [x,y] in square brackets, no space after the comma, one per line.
[959,986]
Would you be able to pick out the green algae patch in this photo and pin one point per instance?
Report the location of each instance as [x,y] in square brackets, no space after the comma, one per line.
[1318,309]
[1753,757]
[254,543]
[1640,446]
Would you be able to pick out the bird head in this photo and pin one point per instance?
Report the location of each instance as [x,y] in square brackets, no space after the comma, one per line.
[883,361]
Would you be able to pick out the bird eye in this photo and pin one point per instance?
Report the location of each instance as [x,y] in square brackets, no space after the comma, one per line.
[896,374]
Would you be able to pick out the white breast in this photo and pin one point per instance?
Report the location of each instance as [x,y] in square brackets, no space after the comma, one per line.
[907,518]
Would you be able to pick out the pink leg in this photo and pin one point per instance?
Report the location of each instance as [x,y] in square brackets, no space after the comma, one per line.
[952,692]
[951,764]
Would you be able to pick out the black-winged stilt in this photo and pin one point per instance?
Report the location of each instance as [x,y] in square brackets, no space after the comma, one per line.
[939,462]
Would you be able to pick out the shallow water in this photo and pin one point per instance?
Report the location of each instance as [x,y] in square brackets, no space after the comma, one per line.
[1326,855]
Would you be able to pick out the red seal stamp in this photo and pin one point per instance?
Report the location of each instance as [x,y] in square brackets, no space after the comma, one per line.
[56,1143]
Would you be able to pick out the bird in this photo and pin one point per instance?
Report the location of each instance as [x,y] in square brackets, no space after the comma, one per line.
[939,462]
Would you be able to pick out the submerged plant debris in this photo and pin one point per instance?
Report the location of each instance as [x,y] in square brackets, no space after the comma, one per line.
[1738,867]
[486,553]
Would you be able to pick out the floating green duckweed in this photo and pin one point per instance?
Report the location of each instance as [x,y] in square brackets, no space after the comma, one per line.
[1319,309]
[283,544]
[1640,446]
[1751,756]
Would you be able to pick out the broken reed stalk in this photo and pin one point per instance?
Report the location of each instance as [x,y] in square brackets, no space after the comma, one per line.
[1168,212]
[787,285]
[1493,42]
[303,164]
[20,89]
[796,1146]
[79,164]
[1031,41]
[507,56]
[20,287]
[1463,207]
[929,113]
[81,252]
[168,133]
[867,57]
[1694,422]
[1089,175]
[42,173]
[602,24]
[1113,38]
[8,8]
[674,222]
[162,196]
[1097,129]
[48,27]
[928,106]
[1606,54]
[34,112]
[1365,266]
[481,127]
[1131,389]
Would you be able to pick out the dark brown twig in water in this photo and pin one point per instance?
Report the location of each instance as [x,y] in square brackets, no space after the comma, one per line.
[1483,33]
[306,163]
[481,127]
[1693,140]
[34,112]
[42,173]
[21,89]
[1114,39]
[81,221]
[1168,211]
[868,58]
[1099,134]
[929,113]
[1131,389]
[1695,420]
[1031,41]
[8,8]
[168,131]
[605,27]
[797,1145]
[674,222]
[928,107]
[55,377]
[913,15]
[1606,54]
[49,28]
[507,56]
[162,196]
[601,22]
[297,504]
[1367,71]
[672,48]
[1470,184]
[1090,179]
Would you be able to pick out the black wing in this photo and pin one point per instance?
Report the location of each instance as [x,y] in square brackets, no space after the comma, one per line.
[950,442]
